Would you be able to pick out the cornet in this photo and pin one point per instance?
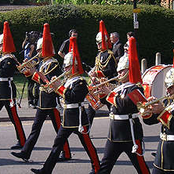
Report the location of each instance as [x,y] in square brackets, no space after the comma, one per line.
[30,63]
[48,87]
[105,82]
[142,106]
[117,78]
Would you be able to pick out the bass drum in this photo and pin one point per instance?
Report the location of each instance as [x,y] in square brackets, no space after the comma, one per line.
[153,81]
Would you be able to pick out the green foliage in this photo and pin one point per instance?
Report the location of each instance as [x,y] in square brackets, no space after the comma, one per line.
[155,33]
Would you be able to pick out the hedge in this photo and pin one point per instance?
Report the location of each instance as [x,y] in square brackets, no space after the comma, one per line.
[155,33]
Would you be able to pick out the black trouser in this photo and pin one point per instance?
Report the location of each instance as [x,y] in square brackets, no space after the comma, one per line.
[14,118]
[158,171]
[32,92]
[59,141]
[36,128]
[114,149]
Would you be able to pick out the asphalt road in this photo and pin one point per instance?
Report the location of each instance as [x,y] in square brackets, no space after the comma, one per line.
[80,163]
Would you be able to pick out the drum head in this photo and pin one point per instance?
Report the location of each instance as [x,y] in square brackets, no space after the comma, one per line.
[153,80]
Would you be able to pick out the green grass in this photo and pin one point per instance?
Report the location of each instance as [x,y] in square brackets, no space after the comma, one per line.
[19,81]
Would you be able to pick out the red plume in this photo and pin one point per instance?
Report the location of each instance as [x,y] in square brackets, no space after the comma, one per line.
[134,67]
[8,44]
[47,46]
[104,33]
[73,47]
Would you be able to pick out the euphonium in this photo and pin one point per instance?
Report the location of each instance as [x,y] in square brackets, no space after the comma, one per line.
[30,63]
[142,106]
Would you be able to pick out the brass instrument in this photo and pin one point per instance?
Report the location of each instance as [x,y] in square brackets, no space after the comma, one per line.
[48,87]
[117,78]
[142,106]
[30,63]
[103,83]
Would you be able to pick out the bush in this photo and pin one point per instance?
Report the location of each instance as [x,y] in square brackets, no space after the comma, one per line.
[154,35]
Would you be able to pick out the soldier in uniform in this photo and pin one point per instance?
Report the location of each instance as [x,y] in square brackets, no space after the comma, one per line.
[48,68]
[125,130]
[163,113]
[74,118]
[105,65]
[8,64]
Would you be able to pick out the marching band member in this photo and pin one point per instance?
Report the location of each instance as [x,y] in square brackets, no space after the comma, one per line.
[48,67]
[8,65]
[105,64]
[75,119]
[125,130]
[163,113]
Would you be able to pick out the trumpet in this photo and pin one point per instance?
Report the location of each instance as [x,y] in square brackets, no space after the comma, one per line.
[48,87]
[30,63]
[142,106]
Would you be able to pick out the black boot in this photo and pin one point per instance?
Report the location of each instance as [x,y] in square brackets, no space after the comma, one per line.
[20,155]
[62,157]
[37,171]
[17,146]
[92,171]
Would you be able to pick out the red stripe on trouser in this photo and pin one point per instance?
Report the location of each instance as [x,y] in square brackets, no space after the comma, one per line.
[18,126]
[141,161]
[66,145]
[91,150]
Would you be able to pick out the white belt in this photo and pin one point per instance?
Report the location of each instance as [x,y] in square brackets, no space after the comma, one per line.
[6,79]
[73,105]
[122,117]
[166,137]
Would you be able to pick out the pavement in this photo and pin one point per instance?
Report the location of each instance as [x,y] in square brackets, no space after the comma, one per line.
[80,163]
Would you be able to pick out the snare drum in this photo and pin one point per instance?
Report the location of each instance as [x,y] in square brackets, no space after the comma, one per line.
[94,100]
[153,80]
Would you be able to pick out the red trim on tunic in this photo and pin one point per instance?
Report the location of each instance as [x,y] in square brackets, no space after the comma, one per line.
[165,118]
[60,90]
[36,77]
[111,97]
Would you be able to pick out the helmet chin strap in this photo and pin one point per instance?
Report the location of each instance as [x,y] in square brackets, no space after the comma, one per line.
[121,79]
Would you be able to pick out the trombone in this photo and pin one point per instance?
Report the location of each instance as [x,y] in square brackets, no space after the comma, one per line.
[30,63]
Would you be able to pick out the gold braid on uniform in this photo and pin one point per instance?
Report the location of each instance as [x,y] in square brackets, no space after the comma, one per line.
[45,69]
[102,66]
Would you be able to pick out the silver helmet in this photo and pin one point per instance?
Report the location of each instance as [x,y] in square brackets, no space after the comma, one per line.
[68,59]
[169,79]
[39,44]
[99,38]
[123,62]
